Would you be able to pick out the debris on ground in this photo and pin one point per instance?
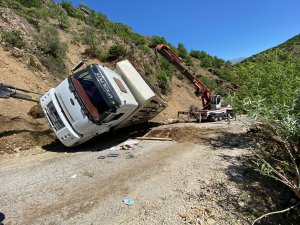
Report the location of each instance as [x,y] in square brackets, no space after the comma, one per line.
[128,201]
[129,156]
[111,155]
[89,174]
[170,121]
[74,176]
[127,145]
[154,138]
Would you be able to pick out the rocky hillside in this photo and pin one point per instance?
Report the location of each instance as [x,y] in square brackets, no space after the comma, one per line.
[52,31]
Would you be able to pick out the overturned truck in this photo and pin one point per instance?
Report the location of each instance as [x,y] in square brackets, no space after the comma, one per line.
[96,100]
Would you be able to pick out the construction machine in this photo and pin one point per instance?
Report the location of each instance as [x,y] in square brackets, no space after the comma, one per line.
[212,108]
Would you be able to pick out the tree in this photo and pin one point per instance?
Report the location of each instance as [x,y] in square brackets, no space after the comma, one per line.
[90,39]
[269,93]
[156,40]
[182,52]
[115,52]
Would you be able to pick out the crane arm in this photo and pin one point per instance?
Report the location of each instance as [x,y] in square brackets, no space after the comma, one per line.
[176,61]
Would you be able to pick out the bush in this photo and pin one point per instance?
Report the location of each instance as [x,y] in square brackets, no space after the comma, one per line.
[54,50]
[71,10]
[166,67]
[63,21]
[90,39]
[145,49]
[269,93]
[100,21]
[115,52]
[156,40]
[31,3]
[48,41]
[13,38]
[162,80]
[182,52]
[55,66]
[207,62]
[209,83]
[138,39]
[198,54]
[189,61]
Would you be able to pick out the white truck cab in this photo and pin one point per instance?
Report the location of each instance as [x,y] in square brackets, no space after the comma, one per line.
[95,100]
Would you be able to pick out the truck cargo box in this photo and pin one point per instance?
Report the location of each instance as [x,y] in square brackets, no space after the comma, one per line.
[150,104]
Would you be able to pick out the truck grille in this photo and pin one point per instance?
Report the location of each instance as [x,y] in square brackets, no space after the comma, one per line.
[53,117]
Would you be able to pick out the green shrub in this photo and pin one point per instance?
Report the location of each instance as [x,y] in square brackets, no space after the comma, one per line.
[198,54]
[53,49]
[138,39]
[13,38]
[166,67]
[145,49]
[71,10]
[31,3]
[156,40]
[189,61]
[162,80]
[147,69]
[209,83]
[55,66]
[207,62]
[100,21]
[269,93]
[63,21]
[115,52]
[182,52]
[90,39]
[48,41]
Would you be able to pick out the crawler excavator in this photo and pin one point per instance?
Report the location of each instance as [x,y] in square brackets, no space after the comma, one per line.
[212,109]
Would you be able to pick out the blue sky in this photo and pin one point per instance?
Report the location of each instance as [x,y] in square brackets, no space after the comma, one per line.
[226,28]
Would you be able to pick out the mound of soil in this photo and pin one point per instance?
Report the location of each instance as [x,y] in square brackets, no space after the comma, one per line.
[184,134]
[18,134]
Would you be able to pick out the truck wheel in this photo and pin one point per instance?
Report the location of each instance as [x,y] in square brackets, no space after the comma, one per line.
[211,119]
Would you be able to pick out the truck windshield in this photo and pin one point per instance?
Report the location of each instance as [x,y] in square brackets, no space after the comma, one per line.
[89,94]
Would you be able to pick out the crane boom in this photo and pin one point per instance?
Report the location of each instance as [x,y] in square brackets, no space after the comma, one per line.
[176,61]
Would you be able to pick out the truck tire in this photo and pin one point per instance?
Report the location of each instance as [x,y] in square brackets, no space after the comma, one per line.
[211,118]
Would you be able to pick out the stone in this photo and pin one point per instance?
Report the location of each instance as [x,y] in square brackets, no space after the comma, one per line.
[34,62]
[16,53]
[210,221]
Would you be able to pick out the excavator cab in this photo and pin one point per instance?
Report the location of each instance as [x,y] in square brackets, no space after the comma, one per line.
[215,102]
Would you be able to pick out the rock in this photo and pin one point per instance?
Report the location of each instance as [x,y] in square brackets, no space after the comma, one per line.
[36,112]
[9,20]
[210,221]
[242,204]
[182,215]
[193,221]
[17,150]
[34,62]
[16,53]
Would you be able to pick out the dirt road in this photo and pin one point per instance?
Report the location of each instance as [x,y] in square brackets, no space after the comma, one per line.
[170,182]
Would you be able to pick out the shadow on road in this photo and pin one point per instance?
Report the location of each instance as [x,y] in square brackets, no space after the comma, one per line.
[258,194]
[103,141]
[2,218]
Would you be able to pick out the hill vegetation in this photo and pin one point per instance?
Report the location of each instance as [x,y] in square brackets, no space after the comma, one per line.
[269,93]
